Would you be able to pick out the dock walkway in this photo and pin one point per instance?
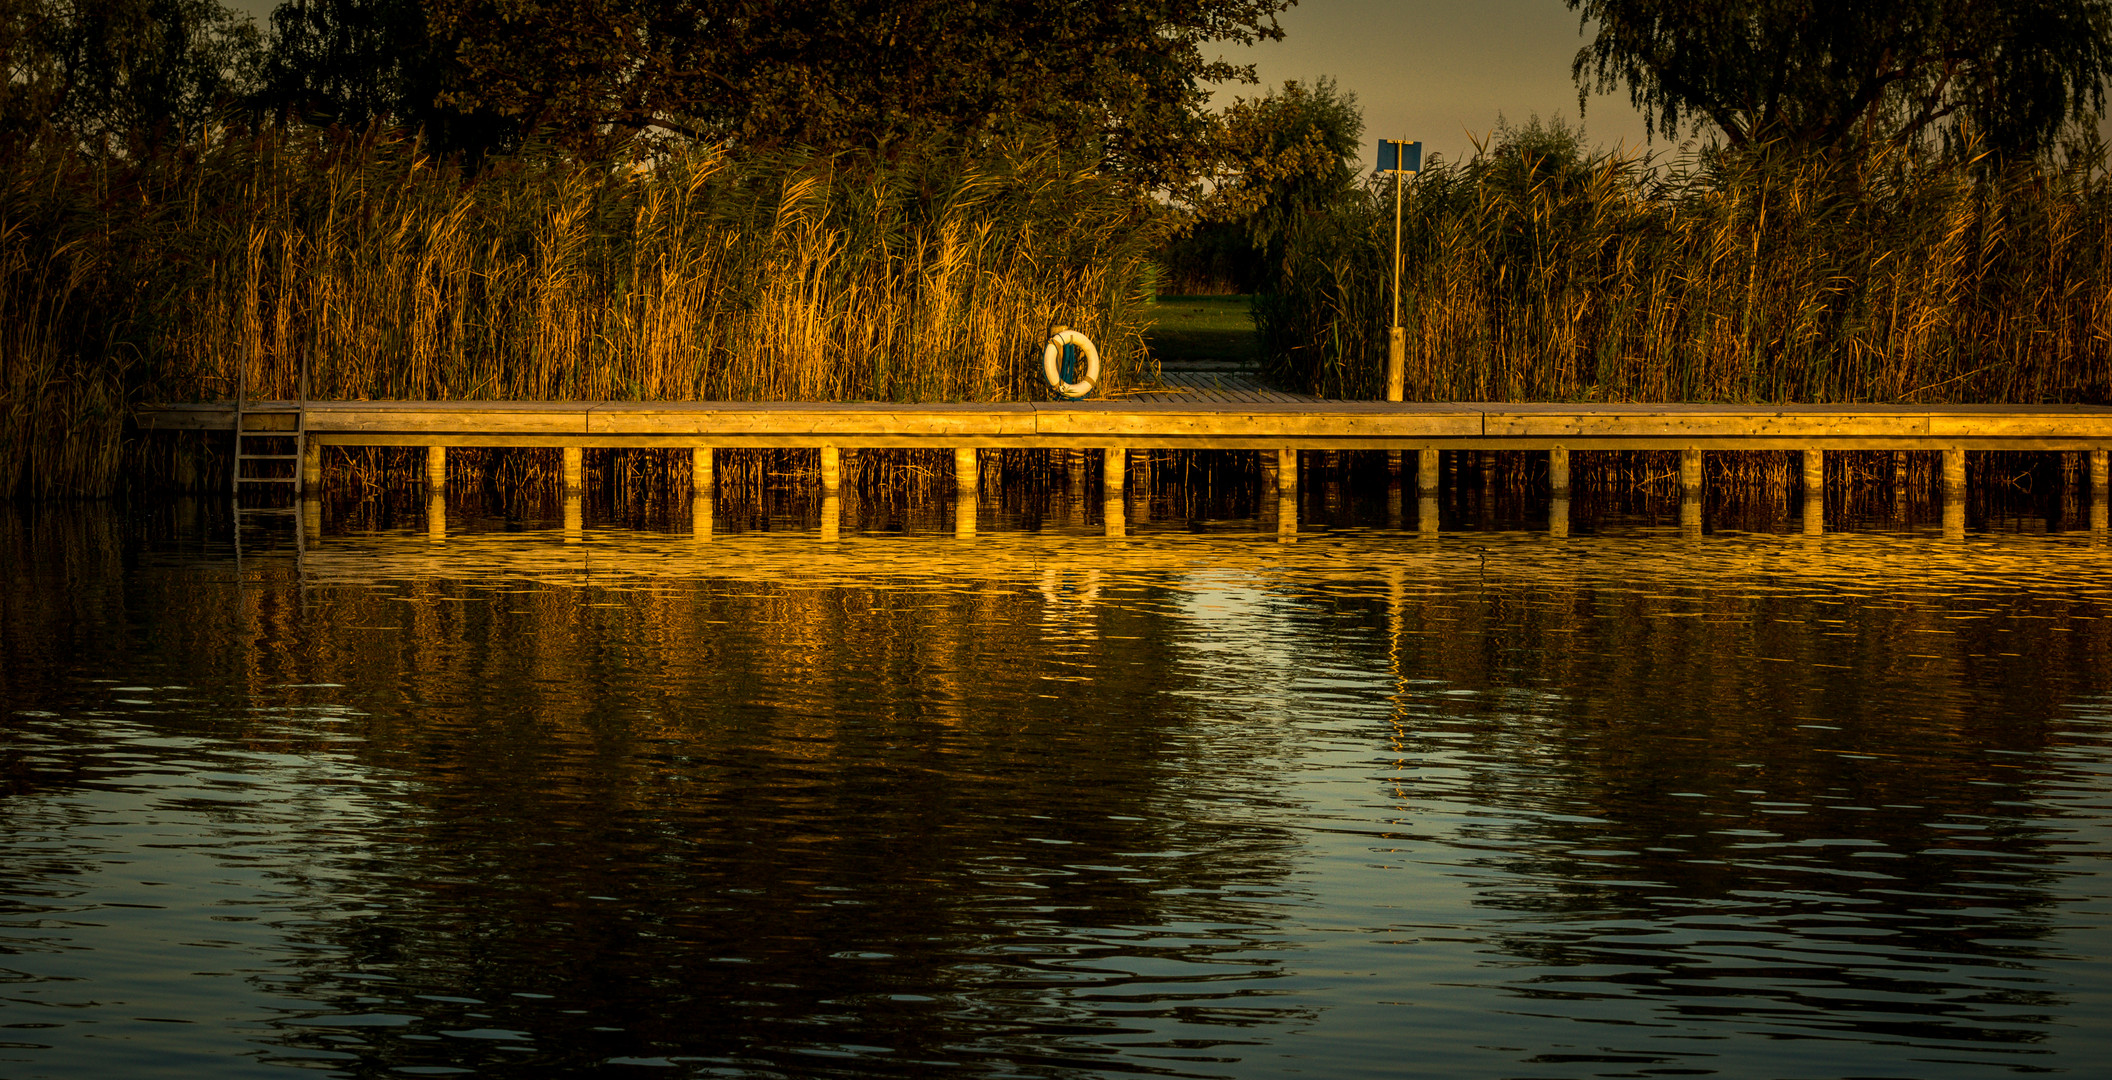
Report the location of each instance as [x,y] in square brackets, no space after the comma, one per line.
[1232,413]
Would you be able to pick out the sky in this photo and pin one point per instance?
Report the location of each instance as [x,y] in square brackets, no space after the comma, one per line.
[1441,71]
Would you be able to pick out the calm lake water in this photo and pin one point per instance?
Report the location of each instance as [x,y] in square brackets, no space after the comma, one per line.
[1042,804]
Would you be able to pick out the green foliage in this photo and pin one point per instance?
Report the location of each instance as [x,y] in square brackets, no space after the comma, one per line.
[1827,73]
[932,274]
[1125,77]
[120,75]
[1537,271]
[1278,159]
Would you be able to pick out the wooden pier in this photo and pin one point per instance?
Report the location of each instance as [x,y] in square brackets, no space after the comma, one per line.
[1229,421]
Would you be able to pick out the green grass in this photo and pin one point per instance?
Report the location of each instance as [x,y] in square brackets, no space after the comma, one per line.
[1195,328]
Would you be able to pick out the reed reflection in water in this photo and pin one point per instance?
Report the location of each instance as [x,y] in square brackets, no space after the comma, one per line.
[1373,803]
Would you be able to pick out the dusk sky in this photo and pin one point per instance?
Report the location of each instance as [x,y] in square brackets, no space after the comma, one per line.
[1437,70]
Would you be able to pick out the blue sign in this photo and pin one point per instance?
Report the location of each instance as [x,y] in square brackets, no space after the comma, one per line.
[1398,156]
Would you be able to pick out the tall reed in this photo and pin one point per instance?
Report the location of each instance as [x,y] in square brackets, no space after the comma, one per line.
[927,274]
[1534,272]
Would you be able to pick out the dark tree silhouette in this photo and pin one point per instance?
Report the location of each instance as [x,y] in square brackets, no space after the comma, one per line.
[1836,73]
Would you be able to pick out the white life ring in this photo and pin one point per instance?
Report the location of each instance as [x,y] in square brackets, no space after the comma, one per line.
[1052,363]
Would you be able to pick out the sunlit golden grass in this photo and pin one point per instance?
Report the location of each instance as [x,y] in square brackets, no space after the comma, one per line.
[925,276]
[1552,276]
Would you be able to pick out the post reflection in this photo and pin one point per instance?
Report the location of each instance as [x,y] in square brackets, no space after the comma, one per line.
[964,516]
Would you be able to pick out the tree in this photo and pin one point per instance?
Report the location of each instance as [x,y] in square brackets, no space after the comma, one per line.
[1124,76]
[121,74]
[1840,73]
[1289,153]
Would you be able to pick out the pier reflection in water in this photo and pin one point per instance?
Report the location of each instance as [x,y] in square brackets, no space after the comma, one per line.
[1382,802]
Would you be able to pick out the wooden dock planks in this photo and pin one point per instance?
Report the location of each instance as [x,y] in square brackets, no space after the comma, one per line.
[1252,422]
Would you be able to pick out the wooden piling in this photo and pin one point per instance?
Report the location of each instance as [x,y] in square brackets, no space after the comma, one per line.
[1690,470]
[573,470]
[436,470]
[1953,473]
[1558,471]
[2100,520]
[1287,472]
[1814,473]
[967,473]
[312,469]
[831,471]
[1113,462]
[1426,473]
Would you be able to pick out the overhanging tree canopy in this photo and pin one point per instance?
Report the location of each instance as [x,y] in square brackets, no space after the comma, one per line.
[1847,72]
[1127,75]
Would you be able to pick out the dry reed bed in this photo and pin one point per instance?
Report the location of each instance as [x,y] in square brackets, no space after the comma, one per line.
[927,275]
[1536,272]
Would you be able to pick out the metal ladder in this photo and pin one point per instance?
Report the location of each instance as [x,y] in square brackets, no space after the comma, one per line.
[251,423]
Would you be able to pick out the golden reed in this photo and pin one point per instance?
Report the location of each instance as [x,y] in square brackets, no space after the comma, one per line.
[1538,272]
[926,274]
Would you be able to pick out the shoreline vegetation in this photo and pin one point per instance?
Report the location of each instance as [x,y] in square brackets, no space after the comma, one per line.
[1537,270]
[927,274]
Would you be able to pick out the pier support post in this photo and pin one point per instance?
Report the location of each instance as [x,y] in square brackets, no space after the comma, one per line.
[1287,472]
[1558,517]
[1426,512]
[1426,472]
[1396,362]
[1953,484]
[831,471]
[1114,463]
[1814,473]
[436,470]
[964,516]
[2100,482]
[1558,472]
[312,469]
[700,517]
[1899,470]
[1690,471]
[312,515]
[967,473]
[701,480]
[573,469]
[1690,513]
[436,516]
